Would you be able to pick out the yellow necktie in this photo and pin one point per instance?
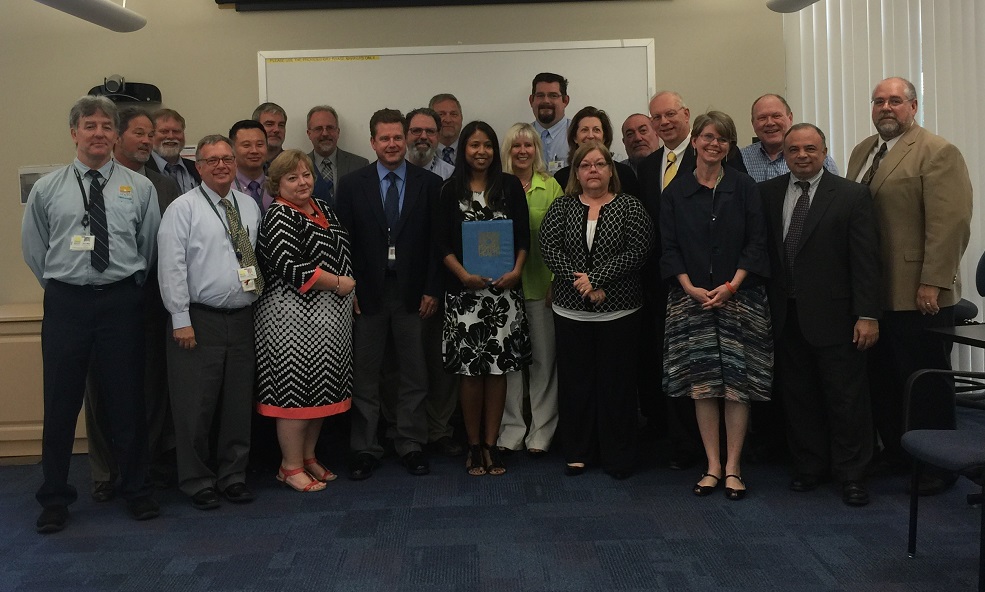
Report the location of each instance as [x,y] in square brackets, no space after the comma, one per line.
[671,168]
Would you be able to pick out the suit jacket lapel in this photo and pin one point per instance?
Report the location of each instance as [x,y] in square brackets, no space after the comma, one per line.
[411,189]
[894,157]
[865,148]
[774,199]
[823,197]
[374,202]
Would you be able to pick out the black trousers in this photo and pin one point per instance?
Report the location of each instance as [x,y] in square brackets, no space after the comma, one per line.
[904,347]
[826,390]
[596,367]
[104,326]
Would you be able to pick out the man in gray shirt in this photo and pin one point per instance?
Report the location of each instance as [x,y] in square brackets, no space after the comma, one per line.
[88,236]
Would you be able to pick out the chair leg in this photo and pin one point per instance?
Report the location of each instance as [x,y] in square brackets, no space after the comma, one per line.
[911,545]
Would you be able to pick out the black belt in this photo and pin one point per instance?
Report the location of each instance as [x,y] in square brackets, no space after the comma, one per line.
[223,311]
[129,281]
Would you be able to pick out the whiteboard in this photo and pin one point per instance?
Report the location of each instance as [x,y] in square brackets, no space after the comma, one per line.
[491,81]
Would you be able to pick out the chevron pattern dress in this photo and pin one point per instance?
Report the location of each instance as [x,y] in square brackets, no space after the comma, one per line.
[303,335]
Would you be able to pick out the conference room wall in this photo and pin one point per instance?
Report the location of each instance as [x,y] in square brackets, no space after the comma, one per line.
[718,54]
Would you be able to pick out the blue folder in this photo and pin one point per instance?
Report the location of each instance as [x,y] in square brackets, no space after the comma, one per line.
[487,247]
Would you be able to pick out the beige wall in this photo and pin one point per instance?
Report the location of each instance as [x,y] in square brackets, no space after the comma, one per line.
[722,54]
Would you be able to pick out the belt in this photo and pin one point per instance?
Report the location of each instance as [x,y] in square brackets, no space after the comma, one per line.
[129,281]
[223,311]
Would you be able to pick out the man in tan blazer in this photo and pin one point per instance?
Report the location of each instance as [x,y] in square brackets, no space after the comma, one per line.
[923,200]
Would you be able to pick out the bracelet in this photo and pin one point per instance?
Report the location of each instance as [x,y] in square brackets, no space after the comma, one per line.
[338,283]
[730,288]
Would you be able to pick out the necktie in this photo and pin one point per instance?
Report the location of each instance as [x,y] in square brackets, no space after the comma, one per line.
[172,171]
[391,204]
[254,189]
[244,248]
[792,240]
[671,168]
[446,154]
[99,256]
[867,178]
[328,174]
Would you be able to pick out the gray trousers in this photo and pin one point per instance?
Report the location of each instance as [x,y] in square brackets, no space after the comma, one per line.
[212,387]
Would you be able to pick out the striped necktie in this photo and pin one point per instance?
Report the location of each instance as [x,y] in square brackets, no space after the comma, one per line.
[794,232]
[99,257]
[867,178]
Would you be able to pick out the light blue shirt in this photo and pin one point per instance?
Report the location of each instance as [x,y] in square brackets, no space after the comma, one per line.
[401,172]
[761,168]
[440,168]
[556,144]
[54,215]
[196,259]
[186,182]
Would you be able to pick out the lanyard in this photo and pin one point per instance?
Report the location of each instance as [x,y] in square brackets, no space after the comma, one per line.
[85,197]
[239,254]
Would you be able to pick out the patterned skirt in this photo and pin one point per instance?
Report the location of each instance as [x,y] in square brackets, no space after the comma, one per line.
[485,332]
[726,352]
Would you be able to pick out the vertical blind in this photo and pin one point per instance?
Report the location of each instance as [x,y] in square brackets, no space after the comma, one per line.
[836,52]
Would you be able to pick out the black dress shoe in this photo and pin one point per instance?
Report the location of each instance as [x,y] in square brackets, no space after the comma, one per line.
[52,519]
[206,499]
[238,493]
[620,474]
[143,508]
[573,470]
[447,446]
[103,491]
[703,490]
[416,463]
[854,493]
[935,484]
[804,483]
[362,466]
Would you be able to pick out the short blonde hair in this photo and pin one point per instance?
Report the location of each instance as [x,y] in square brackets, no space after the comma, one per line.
[574,185]
[286,162]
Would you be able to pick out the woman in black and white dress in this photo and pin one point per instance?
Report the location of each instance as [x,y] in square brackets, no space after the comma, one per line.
[485,327]
[303,319]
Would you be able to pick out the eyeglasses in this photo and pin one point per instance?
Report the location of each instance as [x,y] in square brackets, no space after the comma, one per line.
[709,138]
[893,101]
[420,131]
[324,128]
[587,166]
[552,96]
[215,160]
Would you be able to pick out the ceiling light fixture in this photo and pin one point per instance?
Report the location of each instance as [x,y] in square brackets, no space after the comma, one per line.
[100,12]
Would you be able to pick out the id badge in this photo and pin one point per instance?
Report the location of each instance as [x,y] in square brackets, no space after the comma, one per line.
[555,166]
[248,278]
[391,253]
[82,242]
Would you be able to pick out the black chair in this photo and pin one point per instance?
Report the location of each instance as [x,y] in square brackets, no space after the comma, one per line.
[957,451]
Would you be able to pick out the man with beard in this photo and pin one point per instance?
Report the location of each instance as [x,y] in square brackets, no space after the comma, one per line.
[133,150]
[449,112]
[923,198]
[273,118]
[639,139]
[548,98]
[331,162]
[169,140]
[771,118]
[250,147]
[422,145]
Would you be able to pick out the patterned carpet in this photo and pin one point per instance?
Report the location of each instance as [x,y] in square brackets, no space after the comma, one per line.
[532,529]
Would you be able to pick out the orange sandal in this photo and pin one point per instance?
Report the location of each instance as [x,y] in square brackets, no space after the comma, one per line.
[313,485]
[319,471]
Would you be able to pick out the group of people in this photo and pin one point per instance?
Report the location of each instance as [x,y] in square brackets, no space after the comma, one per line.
[685,282]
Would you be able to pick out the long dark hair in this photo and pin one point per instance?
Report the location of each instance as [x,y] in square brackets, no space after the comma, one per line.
[494,175]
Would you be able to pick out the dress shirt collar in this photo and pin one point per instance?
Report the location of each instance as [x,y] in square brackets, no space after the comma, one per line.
[215,197]
[554,130]
[243,182]
[401,171]
[813,181]
[103,170]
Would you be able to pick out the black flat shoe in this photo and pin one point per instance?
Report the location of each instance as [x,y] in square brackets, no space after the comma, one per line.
[703,490]
[734,494]
[143,508]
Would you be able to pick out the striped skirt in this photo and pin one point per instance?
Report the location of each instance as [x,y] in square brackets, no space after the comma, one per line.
[726,352]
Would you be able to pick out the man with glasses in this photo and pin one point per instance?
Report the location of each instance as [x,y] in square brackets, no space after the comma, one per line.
[548,98]
[422,142]
[209,281]
[331,162]
[923,199]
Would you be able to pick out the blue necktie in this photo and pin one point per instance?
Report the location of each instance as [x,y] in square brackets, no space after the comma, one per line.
[446,155]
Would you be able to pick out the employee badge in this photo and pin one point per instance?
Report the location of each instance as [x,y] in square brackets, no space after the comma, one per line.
[82,242]
[248,278]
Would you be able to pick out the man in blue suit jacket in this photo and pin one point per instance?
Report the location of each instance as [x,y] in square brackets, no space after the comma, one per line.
[386,208]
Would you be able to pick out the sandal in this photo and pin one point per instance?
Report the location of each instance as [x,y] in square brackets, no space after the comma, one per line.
[735,494]
[703,490]
[313,484]
[494,461]
[318,470]
[473,461]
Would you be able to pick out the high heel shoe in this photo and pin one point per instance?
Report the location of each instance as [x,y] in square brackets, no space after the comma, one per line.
[735,494]
[318,470]
[312,485]
[475,463]
[703,490]
[494,461]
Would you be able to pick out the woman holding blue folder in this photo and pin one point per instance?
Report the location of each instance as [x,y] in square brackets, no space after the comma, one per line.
[485,327]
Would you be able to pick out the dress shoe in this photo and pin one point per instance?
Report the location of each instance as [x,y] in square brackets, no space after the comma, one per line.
[682,461]
[734,494]
[935,484]
[803,483]
[206,499]
[447,446]
[416,463]
[620,474]
[571,470]
[103,491]
[143,508]
[238,493]
[52,519]
[362,466]
[853,493]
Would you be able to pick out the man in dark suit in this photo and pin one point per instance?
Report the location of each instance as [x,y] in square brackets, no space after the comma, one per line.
[331,162]
[386,207]
[169,141]
[824,300]
[923,198]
